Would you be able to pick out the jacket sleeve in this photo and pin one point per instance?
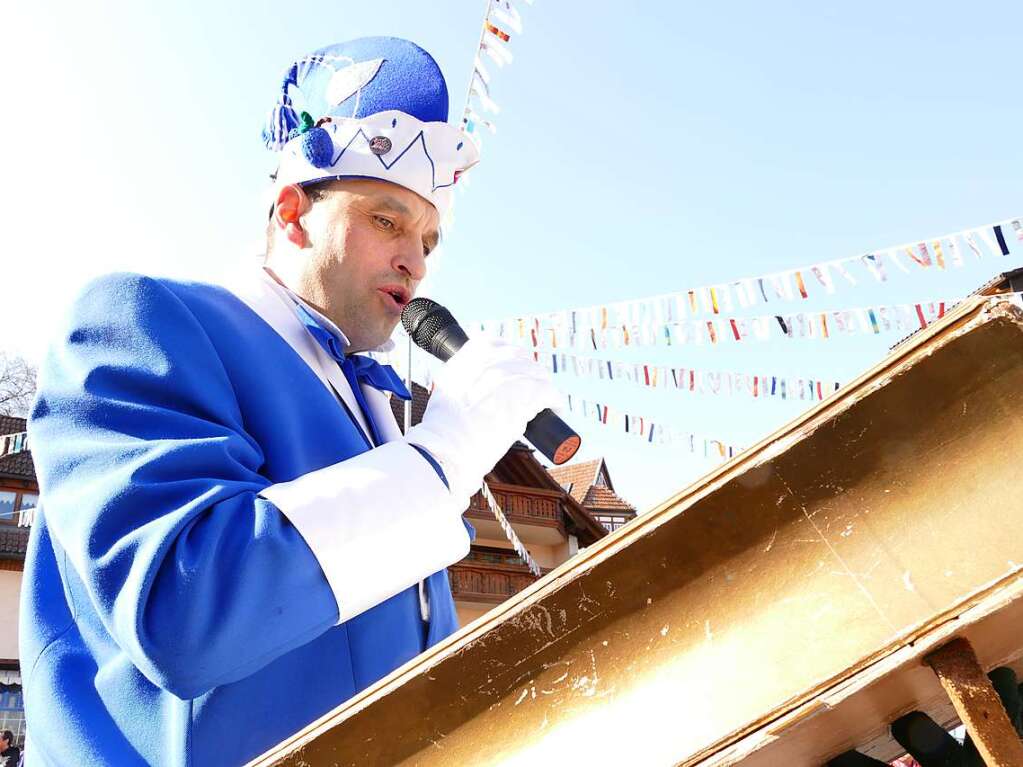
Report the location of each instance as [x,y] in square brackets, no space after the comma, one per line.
[151,485]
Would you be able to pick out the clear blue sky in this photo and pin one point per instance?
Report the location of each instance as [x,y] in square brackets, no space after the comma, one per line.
[642,148]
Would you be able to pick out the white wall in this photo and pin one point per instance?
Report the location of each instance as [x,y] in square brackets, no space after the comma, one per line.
[467,615]
[10,589]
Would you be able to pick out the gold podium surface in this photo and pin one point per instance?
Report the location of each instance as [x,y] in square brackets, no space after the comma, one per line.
[773,613]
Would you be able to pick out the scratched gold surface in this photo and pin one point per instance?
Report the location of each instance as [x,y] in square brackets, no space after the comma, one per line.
[817,553]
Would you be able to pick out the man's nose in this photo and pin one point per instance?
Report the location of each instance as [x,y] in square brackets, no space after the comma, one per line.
[410,260]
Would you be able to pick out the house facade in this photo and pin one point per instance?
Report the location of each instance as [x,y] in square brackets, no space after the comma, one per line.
[19,493]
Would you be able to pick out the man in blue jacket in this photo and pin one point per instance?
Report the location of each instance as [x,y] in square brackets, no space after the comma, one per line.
[234,536]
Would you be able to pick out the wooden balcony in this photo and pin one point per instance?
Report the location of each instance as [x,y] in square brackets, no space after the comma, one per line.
[489,576]
[525,508]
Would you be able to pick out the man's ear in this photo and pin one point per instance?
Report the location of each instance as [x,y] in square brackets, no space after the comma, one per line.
[291,204]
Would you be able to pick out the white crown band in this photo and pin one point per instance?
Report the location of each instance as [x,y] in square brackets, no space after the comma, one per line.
[426,158]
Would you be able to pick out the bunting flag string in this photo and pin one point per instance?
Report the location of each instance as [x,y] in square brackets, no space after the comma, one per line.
[27,516]
[827,277]
[501,20]
[619,326]
[13,443]
[689,380]
[513,538]
[648,430]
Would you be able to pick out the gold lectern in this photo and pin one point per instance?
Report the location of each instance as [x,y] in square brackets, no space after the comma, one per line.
[777,612]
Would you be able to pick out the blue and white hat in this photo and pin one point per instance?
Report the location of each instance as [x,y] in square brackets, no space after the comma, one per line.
[376,107]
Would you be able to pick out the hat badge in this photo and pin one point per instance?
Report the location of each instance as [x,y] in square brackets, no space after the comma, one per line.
[379,145]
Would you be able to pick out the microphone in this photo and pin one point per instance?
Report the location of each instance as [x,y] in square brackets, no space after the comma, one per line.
[433,329]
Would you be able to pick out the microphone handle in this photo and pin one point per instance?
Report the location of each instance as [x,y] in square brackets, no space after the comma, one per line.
[552,437]
[446,341]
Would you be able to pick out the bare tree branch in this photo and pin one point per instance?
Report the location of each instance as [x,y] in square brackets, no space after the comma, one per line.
[17,385]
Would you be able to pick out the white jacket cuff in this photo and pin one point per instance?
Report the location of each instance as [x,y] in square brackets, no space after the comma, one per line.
[377,523]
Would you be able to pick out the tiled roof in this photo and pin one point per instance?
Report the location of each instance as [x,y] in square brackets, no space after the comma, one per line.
[600,499]
[420,396]
[17,465]
[13,541]
[11,424]
[578,477]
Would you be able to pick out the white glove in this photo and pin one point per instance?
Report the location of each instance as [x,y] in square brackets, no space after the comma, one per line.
[481,402]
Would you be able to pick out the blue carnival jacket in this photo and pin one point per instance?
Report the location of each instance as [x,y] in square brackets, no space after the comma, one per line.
[170,614]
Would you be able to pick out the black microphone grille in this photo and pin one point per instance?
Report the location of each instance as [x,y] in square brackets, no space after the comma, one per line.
[422,318]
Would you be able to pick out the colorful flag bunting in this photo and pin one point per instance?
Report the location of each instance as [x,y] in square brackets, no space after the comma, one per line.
[13,443]
[672,378]
[497,32]
[553,331]
[716,300]
[1001,241]
[651,432]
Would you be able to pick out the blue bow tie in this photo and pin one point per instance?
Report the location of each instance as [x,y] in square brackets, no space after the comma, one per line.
[363,369]
[378,376]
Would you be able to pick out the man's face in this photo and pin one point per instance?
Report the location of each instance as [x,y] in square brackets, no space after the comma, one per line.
[368,241]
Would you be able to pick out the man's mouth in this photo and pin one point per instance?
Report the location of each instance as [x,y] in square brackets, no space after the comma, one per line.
[399,295]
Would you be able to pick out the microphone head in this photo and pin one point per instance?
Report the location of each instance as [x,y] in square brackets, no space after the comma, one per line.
[423,320]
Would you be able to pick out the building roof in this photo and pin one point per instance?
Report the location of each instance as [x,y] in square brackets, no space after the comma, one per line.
[577,478]
[1000,283]
[17,465]
[589,483]
[13,542]
[11,424]
[603,499]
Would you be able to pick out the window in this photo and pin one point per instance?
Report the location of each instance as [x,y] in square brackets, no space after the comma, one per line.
[12,503]
[12,712]
[7,501]
[612,523]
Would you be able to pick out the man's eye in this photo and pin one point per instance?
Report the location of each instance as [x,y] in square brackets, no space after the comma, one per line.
[386,223]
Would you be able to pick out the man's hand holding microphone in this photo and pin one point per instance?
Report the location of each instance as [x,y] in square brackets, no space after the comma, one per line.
[489,394]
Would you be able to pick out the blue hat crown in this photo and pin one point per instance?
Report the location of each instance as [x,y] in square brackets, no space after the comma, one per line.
[356,79]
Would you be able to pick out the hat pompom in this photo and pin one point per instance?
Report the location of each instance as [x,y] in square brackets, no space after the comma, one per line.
[317,148]
[279,125]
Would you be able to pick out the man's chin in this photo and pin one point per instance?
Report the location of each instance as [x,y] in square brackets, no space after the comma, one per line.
[373,340]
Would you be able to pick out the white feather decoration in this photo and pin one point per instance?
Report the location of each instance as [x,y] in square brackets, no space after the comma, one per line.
[353,78]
